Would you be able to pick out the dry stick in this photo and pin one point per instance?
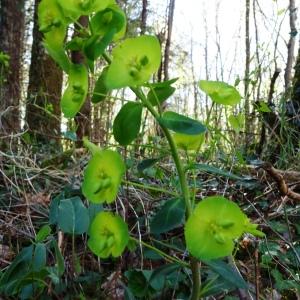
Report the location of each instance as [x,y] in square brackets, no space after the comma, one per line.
[282,186]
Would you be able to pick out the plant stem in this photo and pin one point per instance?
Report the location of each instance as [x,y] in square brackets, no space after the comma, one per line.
[149,187]
[194,265]
[184,189]
[163,254]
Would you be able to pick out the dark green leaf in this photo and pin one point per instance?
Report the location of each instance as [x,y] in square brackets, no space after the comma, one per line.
[137,283]
[147,163]
[16,271]
[158,95]
[39,257]
[73,216]
[59,260]
[227,273]
[127,123]
[169,216]
[215,286]
[181,124]
[162,84]
[216,171]
[158,277]
[95,46]
[94,209]
[100,90]
[70,135]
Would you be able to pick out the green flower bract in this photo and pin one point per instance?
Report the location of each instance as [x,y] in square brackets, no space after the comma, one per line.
[212,228]
[189,142]
[108,235]
[134,61]
[102,177]
[73,9]
[75,94]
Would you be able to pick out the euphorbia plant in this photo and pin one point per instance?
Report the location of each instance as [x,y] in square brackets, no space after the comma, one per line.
[211,226]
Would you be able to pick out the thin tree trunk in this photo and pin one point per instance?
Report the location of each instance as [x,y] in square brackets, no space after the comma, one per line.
[44,91]
[247,79]
[82,119]
[11,43]
[290,46]
[168,41]
[144,16]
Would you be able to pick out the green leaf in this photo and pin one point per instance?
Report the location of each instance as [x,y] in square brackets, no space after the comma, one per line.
[161,84]
[215,286]
[100,90]
[59,260]
[237,122]
[227,273]
[108,235]
[16,271]
[147,163]
[137,283]
[96,45]
[110,18]
[158,95]
[134,61]
[43,233]
[70,135]
[216,171]
[94,210]
[102,177]
[189,142]
[158,277]
[59,55]
[169,216]
[263,107]
[73,216]
[39,257]
[127,123]
[181,124]
[212,228]
[75,94]
[220,92]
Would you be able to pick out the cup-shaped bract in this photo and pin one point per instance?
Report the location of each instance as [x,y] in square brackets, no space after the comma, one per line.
[73,9]
[108,235]
[52,22]
[134,61]
[212,228]
[189,142]
[75,94]
[110,18]
[102,176]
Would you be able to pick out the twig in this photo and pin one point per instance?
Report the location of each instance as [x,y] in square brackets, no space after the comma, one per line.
[282,186]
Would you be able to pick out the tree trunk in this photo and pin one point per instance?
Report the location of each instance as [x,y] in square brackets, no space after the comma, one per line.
[44,92]
[247,79]
[290,46]
[168,41]
[144,17]
[11,43]
[83,118]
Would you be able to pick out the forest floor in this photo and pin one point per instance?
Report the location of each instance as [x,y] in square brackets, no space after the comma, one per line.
[29,184]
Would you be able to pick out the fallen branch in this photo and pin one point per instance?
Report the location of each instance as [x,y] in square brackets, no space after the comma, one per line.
[279,179]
